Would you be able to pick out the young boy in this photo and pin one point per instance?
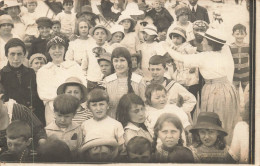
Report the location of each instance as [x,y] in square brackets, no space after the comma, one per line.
[135,153]
[136,60]
[101,125]
[56,27]
[63,128]
[105,64]
[36,61]
[19,139]
[157,67]
[67,18]
[240,52]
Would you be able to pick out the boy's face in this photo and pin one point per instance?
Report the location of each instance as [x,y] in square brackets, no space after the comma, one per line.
[18,145]
[6,29]
[100,36]
[239,35]
[177,40]
[44,31]
[63,120]
[68,6]
[100,153]
[83,28]
[74,91]
[99,109]
[158,99]
[134,62]
[144,157]
[183,19]
[208,137]
[56,28]
[105,67]
[31,7]
[157,71]
[148,37]
[37,63]
[117,37]
[16,56]
[157,5]
[126,24]
[169,134]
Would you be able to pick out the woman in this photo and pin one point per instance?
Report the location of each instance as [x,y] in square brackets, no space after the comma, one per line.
[217,68]
[54,73]
[123,81]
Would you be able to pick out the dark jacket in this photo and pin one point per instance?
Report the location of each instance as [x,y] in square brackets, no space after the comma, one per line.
[39,46]
[162,20]
[200,14]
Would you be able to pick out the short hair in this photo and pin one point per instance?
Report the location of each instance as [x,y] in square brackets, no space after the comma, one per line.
[72,84]
[18,129]
[67,1]
[14,42]
[150,89]
[139,145]
[157,60]
[239,27]
[97,95]
[177,35]
[66,104]
[56,22]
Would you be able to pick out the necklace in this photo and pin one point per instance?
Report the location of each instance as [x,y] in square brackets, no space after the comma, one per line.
[22,156]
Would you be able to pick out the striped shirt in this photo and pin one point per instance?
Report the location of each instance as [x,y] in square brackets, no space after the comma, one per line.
[83,113]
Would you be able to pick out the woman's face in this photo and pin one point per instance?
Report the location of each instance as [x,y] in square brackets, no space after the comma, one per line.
[126,24]
[158,99]
[57,52]
[208,137]
[121,66]
[137,113]
[183,18]
[6,29]
[83,29]
[44,31]
[169,134]
[74,91]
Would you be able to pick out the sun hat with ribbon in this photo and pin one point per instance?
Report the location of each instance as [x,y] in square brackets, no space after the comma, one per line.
[117,28]
[214,35]
[6,19]
[126,17]
[150,30]
[92,30]
[208,120]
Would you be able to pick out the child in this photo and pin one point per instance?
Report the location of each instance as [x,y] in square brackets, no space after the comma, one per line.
[240,52]
[67,18]
[131,113]
[168,129]
[56,27]
[73,86]
[136,61]
[118,34]
[209,145]
[101,126]
[105,64]
[136,154]
[63,128]
[36,61]
[19,139]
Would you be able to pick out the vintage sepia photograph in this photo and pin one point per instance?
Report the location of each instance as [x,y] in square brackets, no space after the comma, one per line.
[127,81]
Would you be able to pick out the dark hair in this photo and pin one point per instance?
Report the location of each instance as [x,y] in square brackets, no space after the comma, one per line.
[18,129]
[123,52]
[66,104]
[97,95]
[215,46]
[124,106]
[219,144]
[239,27]
[132,27]
[72,84]
[157,60]
[14,42]
[171,35]
[56,22]
[79,20]
[167,117]
[138,57]
[138,145]
[67,1]
[150,89]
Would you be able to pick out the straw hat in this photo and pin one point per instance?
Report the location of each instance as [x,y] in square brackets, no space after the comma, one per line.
[73,80]
[214,35]
[179,31]
[106,56]
[117,28]
[208,120]
[6,19]
[92,30]
[11,3]
[182,9]
[150,30]
[126,17]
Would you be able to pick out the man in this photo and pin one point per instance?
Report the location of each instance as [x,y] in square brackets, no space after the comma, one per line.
[198,12]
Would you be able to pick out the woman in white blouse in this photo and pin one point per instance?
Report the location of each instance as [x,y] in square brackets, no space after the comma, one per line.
[217,68]
[54,73]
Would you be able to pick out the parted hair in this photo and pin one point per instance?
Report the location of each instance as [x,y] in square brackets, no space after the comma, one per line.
[66,104]
[18,129]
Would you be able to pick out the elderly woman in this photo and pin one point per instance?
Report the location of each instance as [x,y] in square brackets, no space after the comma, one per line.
[54,73]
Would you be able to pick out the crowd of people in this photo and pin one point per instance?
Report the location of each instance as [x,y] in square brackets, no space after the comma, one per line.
[134,83]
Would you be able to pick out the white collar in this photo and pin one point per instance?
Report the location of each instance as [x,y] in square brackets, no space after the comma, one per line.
[195,7]
[132,126]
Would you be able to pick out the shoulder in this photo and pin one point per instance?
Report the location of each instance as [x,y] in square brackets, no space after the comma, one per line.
[111,78]
[136,78]
[202,8]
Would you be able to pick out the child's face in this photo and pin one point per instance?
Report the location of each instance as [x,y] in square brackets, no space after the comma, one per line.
[37,63]
[18,145]
[100,153]
[6,29]
[134,62]
[83,29]
[183,19]
[13,11]
[196,34]
[68,6]
[157,5]
[169,134]
[117,37]
[157,71]
[144,157]
[99,109]
[208,137]
[121,66]
[239,35]
[74,91]
[31,7]
[177,40]
[56,28]
[158,99]
[100,36]
[63,120]
[137,113]
[126,24]
[16,56]
[44,31]
[148,37]
[57,52]
[105,67]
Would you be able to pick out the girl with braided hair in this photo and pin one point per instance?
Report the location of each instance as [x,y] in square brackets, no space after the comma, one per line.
[123,81]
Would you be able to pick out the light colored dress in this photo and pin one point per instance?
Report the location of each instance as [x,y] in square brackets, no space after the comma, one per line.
[67,22]
[131,42]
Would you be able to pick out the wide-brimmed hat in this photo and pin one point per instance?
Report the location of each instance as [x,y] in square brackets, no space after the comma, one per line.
[37,55]
[182,9]
[105,56]
[126,17]
[73,80]
[117,28]
[11,3]
[150,30]
[86,9]
[6,19]
[179,31]
[201,25]
[214,35]
[208,120]
[132,9]
[92,30]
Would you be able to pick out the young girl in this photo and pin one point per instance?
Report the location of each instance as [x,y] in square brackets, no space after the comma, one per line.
[209,145]
[168,129]
[77,48]
[131,113]
[123,81]
[118,34]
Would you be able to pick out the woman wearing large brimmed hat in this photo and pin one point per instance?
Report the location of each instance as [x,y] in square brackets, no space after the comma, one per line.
[209,145]
[216,66]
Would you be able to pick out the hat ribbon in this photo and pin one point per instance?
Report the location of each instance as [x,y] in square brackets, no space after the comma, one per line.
[214,38]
